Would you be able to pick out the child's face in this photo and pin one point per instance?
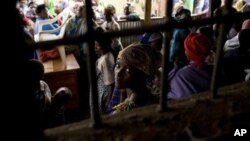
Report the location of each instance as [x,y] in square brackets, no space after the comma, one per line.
[98,49]
[44,13]
[108,17]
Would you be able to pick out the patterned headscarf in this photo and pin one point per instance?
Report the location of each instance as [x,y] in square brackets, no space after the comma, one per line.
[137,57]
[197,48]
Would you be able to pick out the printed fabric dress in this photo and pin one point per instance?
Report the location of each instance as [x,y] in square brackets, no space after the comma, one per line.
[105,77]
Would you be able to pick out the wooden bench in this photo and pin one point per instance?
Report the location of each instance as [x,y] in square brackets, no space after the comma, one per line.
[56,75]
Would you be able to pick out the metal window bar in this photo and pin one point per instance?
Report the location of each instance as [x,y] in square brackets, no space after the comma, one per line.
[220,43]
[94,110]
[164,78]
[147,14]
[168,25]
[211,5]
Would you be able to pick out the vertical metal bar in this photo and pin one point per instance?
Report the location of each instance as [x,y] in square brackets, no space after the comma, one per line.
[147,15]
[164,78]
[211,7]
[220,43]
[94,108]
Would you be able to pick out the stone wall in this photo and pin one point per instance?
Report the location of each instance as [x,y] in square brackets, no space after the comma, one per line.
[196,118]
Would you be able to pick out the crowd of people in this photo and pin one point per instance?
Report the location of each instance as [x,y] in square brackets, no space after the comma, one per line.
[130,77]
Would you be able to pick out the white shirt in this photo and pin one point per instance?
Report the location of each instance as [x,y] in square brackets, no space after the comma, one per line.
[113,26]
[105,64]
[232,43]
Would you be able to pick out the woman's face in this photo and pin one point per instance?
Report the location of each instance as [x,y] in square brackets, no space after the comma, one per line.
[124,74]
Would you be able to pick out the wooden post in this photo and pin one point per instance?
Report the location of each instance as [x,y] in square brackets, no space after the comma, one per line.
[220,43]
[211,7]
[147,15]
[164,78]
[94,108]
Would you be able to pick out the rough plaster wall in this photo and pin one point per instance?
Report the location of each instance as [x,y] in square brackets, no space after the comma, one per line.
[196,118]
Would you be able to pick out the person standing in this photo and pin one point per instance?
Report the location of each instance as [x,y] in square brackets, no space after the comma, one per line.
[110,25]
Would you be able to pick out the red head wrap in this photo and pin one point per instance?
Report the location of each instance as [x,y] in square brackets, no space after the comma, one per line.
[197,48]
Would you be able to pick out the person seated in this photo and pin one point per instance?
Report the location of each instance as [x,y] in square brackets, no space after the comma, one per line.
[49,107]
[156,43]
[56,115]
[130,14]
[232,57]
[233,43]
[152,82]
[133,68]
[42,14]
[218,12]
[156,40]
[26,22]
[23,5]
[32,11]
[244,53]
[145,37]
[196,76]
[207,31]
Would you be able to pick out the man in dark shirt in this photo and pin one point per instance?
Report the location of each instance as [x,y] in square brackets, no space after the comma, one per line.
[130,14]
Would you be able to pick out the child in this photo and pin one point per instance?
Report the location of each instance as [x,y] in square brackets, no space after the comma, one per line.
[49,106]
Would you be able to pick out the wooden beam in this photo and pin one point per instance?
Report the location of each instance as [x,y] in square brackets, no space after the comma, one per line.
[218,57]
[147,15]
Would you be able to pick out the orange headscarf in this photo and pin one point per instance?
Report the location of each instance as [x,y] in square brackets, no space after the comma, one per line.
[197,48]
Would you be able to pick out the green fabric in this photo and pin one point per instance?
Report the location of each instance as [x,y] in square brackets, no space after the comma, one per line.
[238,5]
[102,3]
[51,8]
[189,4]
